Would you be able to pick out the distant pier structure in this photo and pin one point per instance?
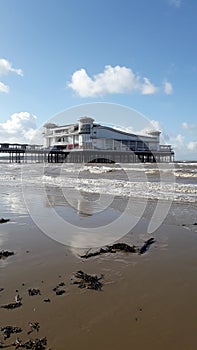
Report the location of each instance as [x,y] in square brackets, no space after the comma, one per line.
[88,142]
[25,153]
[22,153]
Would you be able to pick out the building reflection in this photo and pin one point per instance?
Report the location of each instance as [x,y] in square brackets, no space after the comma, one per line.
[84,204]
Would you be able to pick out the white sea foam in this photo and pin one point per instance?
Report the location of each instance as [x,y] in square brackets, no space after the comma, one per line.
[67,176]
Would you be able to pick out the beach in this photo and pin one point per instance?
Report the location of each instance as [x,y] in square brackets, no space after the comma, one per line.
[146,300]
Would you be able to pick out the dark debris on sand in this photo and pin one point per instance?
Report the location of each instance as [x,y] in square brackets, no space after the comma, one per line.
[3,221]
[146,245]
[8,330]
[58,290]
[123,247]
[11,306]
[32,344]
[88,281]
[34,291]
[5,253]
[34,326]
[47,300]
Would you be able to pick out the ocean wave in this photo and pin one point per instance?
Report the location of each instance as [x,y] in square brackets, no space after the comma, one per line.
[38,176]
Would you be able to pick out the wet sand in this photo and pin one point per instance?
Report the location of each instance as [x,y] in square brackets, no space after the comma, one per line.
[147,301]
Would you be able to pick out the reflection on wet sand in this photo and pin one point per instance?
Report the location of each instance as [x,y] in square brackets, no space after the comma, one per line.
[146,301]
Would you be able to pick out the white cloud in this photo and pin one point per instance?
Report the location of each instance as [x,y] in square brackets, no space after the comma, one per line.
[184,149]
[148,88]
[176,3]
[20,128]
[113,80]
[4,88]
[168,89]
[6,67]
[192,146]
[179,139]
[190,128]
[184,125]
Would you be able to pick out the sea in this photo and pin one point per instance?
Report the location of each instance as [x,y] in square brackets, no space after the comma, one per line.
[87,200]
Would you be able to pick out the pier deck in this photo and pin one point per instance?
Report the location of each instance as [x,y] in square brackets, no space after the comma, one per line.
[23,153]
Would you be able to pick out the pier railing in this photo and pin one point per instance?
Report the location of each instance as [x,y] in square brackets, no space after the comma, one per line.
[22,153]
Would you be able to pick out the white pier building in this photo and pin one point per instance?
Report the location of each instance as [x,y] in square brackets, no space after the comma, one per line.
[87,141]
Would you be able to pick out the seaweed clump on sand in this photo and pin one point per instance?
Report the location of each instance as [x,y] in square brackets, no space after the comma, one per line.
[8,330]
[123,247]
[5,254]
[32,344]
[58,290]
[3,221]
[12,306]
[34,326]
[88,281]
[34,291]
[146,245]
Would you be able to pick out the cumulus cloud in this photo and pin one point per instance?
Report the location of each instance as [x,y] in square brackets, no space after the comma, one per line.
[5,68]
[113,80]
[168,89]
[20,128]
[184,149]
[4,88]
[148,88]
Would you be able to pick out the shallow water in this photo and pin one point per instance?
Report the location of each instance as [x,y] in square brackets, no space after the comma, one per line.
[172,181]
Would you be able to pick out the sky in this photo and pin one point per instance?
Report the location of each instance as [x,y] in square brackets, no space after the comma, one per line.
[58,54]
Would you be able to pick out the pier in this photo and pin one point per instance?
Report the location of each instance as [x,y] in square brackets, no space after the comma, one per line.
[25,153]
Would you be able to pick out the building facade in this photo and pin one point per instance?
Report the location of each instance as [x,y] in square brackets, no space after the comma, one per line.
[88,141]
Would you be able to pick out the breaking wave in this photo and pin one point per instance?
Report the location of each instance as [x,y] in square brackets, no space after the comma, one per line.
[108,179]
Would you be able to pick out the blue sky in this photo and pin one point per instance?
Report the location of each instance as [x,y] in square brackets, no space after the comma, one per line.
[141,54]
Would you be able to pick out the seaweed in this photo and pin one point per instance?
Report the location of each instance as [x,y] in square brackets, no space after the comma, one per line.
[5,253]
[36,344]
[34,291]
[111,249]
[11,306]
[146,245]
[58,290]
[88,281]
[8,330]
[3,221]
[35,326]
[123,247]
